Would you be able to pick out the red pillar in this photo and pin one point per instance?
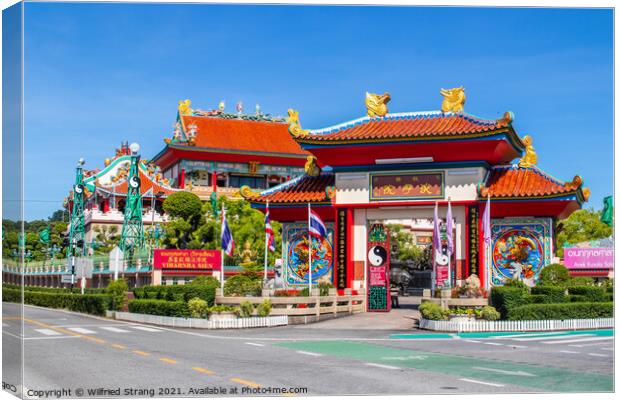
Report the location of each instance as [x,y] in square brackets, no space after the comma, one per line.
[214,180]
[182,178]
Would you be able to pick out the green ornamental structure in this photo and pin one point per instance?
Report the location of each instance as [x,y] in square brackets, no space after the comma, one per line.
[132,234]
[76,232]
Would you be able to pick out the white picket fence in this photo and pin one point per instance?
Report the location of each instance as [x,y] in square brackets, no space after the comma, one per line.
[520,326]
[177,322]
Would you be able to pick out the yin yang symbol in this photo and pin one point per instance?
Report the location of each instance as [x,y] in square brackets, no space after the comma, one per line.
[134,181]
[79,188]
[377,255]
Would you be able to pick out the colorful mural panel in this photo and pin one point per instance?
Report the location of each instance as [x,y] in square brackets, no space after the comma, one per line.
[295,254]
[521,247]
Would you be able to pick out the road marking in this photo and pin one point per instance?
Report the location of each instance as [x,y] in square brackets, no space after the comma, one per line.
[82,331]
[94,339]
[480,382]
[579,340]
[598,355]
[403,358]
[471,341]
[504,372]
[5,324]
[144,328]
[493,344]
[516,346]
[587,345]
[309,353]
[607,348]
[168,360]
[528,339]
[119,346]
[48,332]
[142,353]
[255,344]
[50,337]
[526,335]
[569,352]
[381,366]
[244,382]
[203,371]
[113,329]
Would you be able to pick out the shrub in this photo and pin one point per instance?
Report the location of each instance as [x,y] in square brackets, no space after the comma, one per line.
[433,311]
[242,285]
[591,293]
[489,313]
[206,280]
[246,309]
[139,293]
[11,295]
[185,293]
[550,294]
[562,311]
[608,297]
[324,288]
[516,283]
[286,293]
[506,298]
[159,307]
[576,298]
[580,281]
[198,308]
[117,290]
[264,308]
[220,308]
[554,275]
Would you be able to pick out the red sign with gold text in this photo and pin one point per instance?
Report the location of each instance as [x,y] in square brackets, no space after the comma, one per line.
[202,260]
[407,185]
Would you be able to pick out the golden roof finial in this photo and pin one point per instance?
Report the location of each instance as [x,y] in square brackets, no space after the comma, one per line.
[530,158]
[453,99]
[376,104]
[184,107]
[311,167]
[248,193]
[294,126]
[586,193]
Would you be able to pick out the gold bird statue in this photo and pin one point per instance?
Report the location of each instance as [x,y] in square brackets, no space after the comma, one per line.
[376,104]
[311,167]
[184,108]
[453,99]
[294,126]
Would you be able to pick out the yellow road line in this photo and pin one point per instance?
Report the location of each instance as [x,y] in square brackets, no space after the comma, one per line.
[203,371]
[246,383]
[94,339]
[119,346]
[168,360]
[142,353]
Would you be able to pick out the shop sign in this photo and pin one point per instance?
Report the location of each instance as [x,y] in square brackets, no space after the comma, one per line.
[407,185]
[172,259]
[588,258]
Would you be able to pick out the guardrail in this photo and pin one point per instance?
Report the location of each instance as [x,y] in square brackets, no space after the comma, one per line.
[177,322]
[498,326]
[304,305]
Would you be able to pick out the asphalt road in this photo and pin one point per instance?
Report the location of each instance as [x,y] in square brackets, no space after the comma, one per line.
[81,354]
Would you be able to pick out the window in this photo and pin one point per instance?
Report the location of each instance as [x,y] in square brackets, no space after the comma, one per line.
[256,182]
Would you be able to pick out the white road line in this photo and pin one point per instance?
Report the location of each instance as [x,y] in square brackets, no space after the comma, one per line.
[493,344]
[309,353]
[48,332]
[255,344]
[381,366]
[526,335]
[146,329]
[529,339]
[471,341]
[114,329]
[51,337]
[12,334]
[504,372]
[569,352]
[579,340]
[5,324]
[480,382]
[588,345]
[598,355]
[607,348]
[82,331]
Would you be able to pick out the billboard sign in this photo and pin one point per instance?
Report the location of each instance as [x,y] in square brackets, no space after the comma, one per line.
[197,260]
[588,258]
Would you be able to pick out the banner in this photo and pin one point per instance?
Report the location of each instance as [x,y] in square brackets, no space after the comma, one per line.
[200,260]
[407,185]
[342,249]
[594,258]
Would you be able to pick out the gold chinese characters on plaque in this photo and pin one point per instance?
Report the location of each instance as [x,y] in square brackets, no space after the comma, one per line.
[407,185]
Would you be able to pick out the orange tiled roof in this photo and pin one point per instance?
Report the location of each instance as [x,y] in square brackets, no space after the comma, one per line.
[243,135]
[146,183]
[510,181]
[416,125]
[302,189]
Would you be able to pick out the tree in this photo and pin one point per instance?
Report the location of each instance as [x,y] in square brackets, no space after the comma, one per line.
[554,275]
[581,226]
[185,205]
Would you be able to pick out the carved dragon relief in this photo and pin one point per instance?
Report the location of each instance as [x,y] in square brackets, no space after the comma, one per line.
[294,126]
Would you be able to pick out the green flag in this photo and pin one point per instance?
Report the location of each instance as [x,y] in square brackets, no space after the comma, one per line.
[607,217]
[44,236]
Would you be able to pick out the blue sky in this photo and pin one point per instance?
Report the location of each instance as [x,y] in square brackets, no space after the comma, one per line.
[97,74]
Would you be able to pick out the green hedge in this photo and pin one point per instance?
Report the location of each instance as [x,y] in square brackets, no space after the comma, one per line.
[549,294]
[177,293]
[159,307]
[591,293]
[44,289]
[96,304]
[576,298]
[505,298]
[562,311]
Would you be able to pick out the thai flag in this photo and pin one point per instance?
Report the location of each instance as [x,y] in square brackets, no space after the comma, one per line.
[316,225]
[228,244]
[271,239]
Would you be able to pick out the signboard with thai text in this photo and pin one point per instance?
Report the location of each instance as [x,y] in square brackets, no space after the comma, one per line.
[407,185]
[588,258]
[200,260]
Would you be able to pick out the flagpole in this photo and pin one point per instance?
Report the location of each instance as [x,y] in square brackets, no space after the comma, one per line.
[222,248]
[266,243]
[309,255]
[434,272]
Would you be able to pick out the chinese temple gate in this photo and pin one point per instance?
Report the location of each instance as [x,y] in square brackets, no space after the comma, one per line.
[397,166]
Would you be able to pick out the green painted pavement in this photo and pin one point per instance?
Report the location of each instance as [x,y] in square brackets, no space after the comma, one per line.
[482,335]
[524,375]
